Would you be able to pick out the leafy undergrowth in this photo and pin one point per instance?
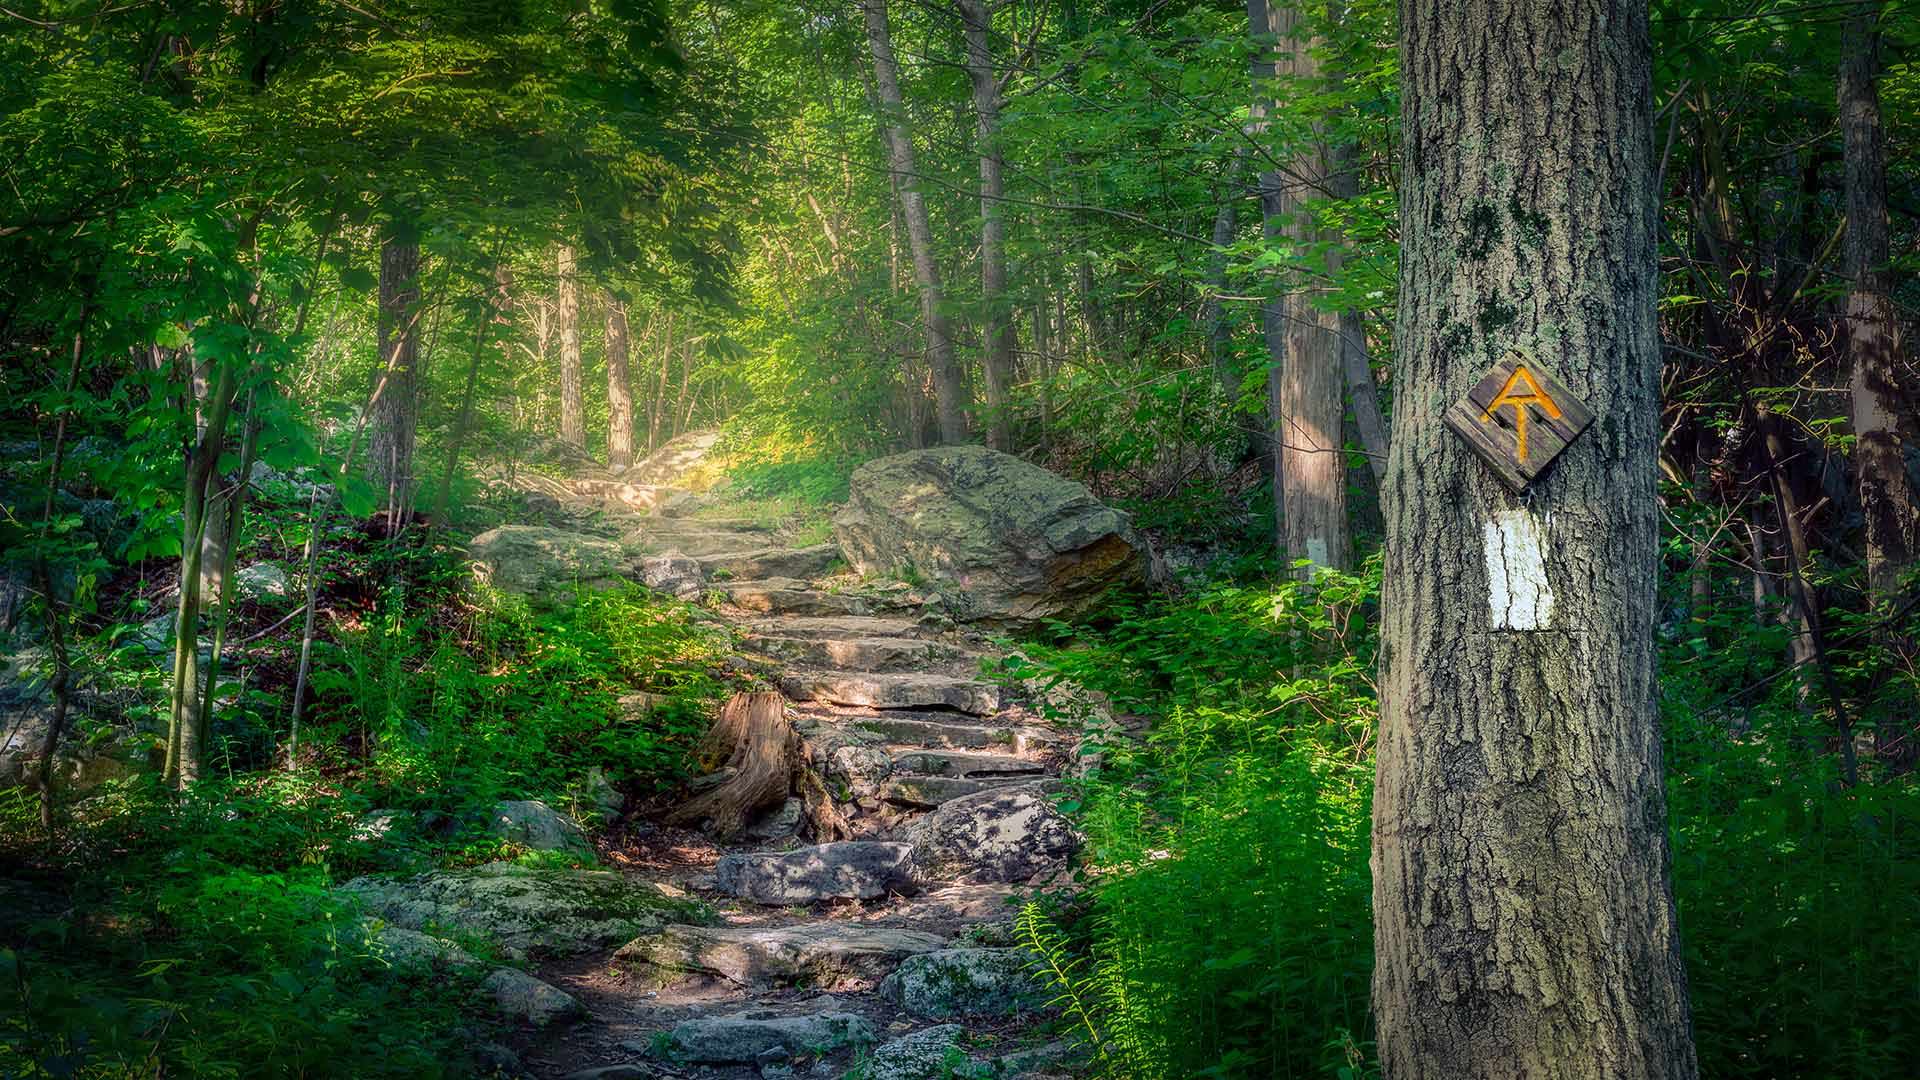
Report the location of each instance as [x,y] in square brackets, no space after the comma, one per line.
[1226,928]
[198,934]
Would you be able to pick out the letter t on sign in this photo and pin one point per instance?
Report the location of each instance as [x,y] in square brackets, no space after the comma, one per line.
[1518,419]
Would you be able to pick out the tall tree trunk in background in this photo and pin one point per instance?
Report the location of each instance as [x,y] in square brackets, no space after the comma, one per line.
[60,679]
[1887,499]
[1213,315]
[186,747]
[619,388]
[1310,393]
[658,408]
[949,381]
[483,336]
[396,405]
[1524,924]
[997,332]
[573,408]
[1273,203]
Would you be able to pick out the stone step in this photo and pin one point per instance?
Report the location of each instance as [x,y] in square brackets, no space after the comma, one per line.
[758,1035]
[914,731]
[906,690]
[963,765]
[785,596]
[772,562]
[927,792]
[868,654]
[697,542]
[848,870]
[815,627]
[826,955]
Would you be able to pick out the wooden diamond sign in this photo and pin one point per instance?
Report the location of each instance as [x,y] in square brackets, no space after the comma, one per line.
[1518,419]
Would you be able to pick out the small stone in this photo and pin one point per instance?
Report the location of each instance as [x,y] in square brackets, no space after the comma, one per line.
[536,826]
[673,573]
[519,996]
[761,1039]
[855,870]
[931,1054]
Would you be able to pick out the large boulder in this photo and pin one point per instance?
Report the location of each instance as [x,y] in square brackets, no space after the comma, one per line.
[524,911]
[676,463]
[1019,542]
[760,1035]
[1008,834]
[954,983]
[549,567]
[521,997]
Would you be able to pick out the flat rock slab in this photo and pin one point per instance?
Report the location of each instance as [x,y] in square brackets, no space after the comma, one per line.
[954,983]
[549,567]
[785,596]
[965,765]
[692,538]
[822,954]
[927,792]
[864,654]
[850,870]
[836,626]
[521,909]
[901,691]
[773,562]
[750,1036]
[942,735]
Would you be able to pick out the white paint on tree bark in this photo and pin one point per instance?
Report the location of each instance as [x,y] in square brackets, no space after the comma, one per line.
[1518,596]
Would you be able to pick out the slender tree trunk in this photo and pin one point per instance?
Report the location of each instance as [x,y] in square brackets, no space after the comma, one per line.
[396,408]
[1273,206]
[998,328]
[1524,924]
[1310,393]
[1214,313]
[619,389]
[496,302]
[60,681]
[573,409]
[949,380]
[1888,503]
[186,750]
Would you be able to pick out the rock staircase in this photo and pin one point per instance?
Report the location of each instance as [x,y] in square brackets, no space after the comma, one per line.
[885,957]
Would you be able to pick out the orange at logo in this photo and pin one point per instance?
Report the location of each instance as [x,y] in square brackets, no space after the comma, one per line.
[1512,394]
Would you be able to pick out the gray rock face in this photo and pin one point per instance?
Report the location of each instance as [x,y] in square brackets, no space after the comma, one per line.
[1019,542]
[965,982]
[674,574]
[519,996]
[413,949]
[785,596]
[823,954]
[1007,834]
[854,869]
[536,826]
[929,1054]
[750,1036]
[262,580]
[525,911]
[870,654]
[904,690]
[670,464]
[549,567]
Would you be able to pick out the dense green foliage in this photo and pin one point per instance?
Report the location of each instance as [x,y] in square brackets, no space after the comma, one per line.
[1228,923]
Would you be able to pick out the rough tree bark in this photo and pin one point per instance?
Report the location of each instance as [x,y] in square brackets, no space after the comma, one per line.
[949,380]
[998,331]
[767,761]
[619,388]
[1309,390]
[573,408]
[1524,924]
[1888,503]
[396,407]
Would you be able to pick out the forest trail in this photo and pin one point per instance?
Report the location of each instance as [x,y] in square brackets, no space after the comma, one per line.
[882,953]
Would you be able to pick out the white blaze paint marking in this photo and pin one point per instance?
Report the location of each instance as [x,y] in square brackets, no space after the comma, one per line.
[1518,596]
[1317,552]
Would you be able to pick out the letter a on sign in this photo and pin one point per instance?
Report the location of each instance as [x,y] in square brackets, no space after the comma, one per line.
[1518,418]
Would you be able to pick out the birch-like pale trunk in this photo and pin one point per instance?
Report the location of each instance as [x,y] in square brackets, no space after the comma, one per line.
[573,408]
[949,380]
[997,329]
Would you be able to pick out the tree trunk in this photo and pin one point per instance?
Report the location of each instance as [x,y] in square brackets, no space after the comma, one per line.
[396,404]
[186,748]
[1214,312]
[998,329]
[1524,924]
[60,680]
[490,308]
[573,409]
[949,381]
[1888,503]
[1310,391]
[619,389]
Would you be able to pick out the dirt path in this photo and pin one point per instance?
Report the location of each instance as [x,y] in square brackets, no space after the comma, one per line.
[945,787]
